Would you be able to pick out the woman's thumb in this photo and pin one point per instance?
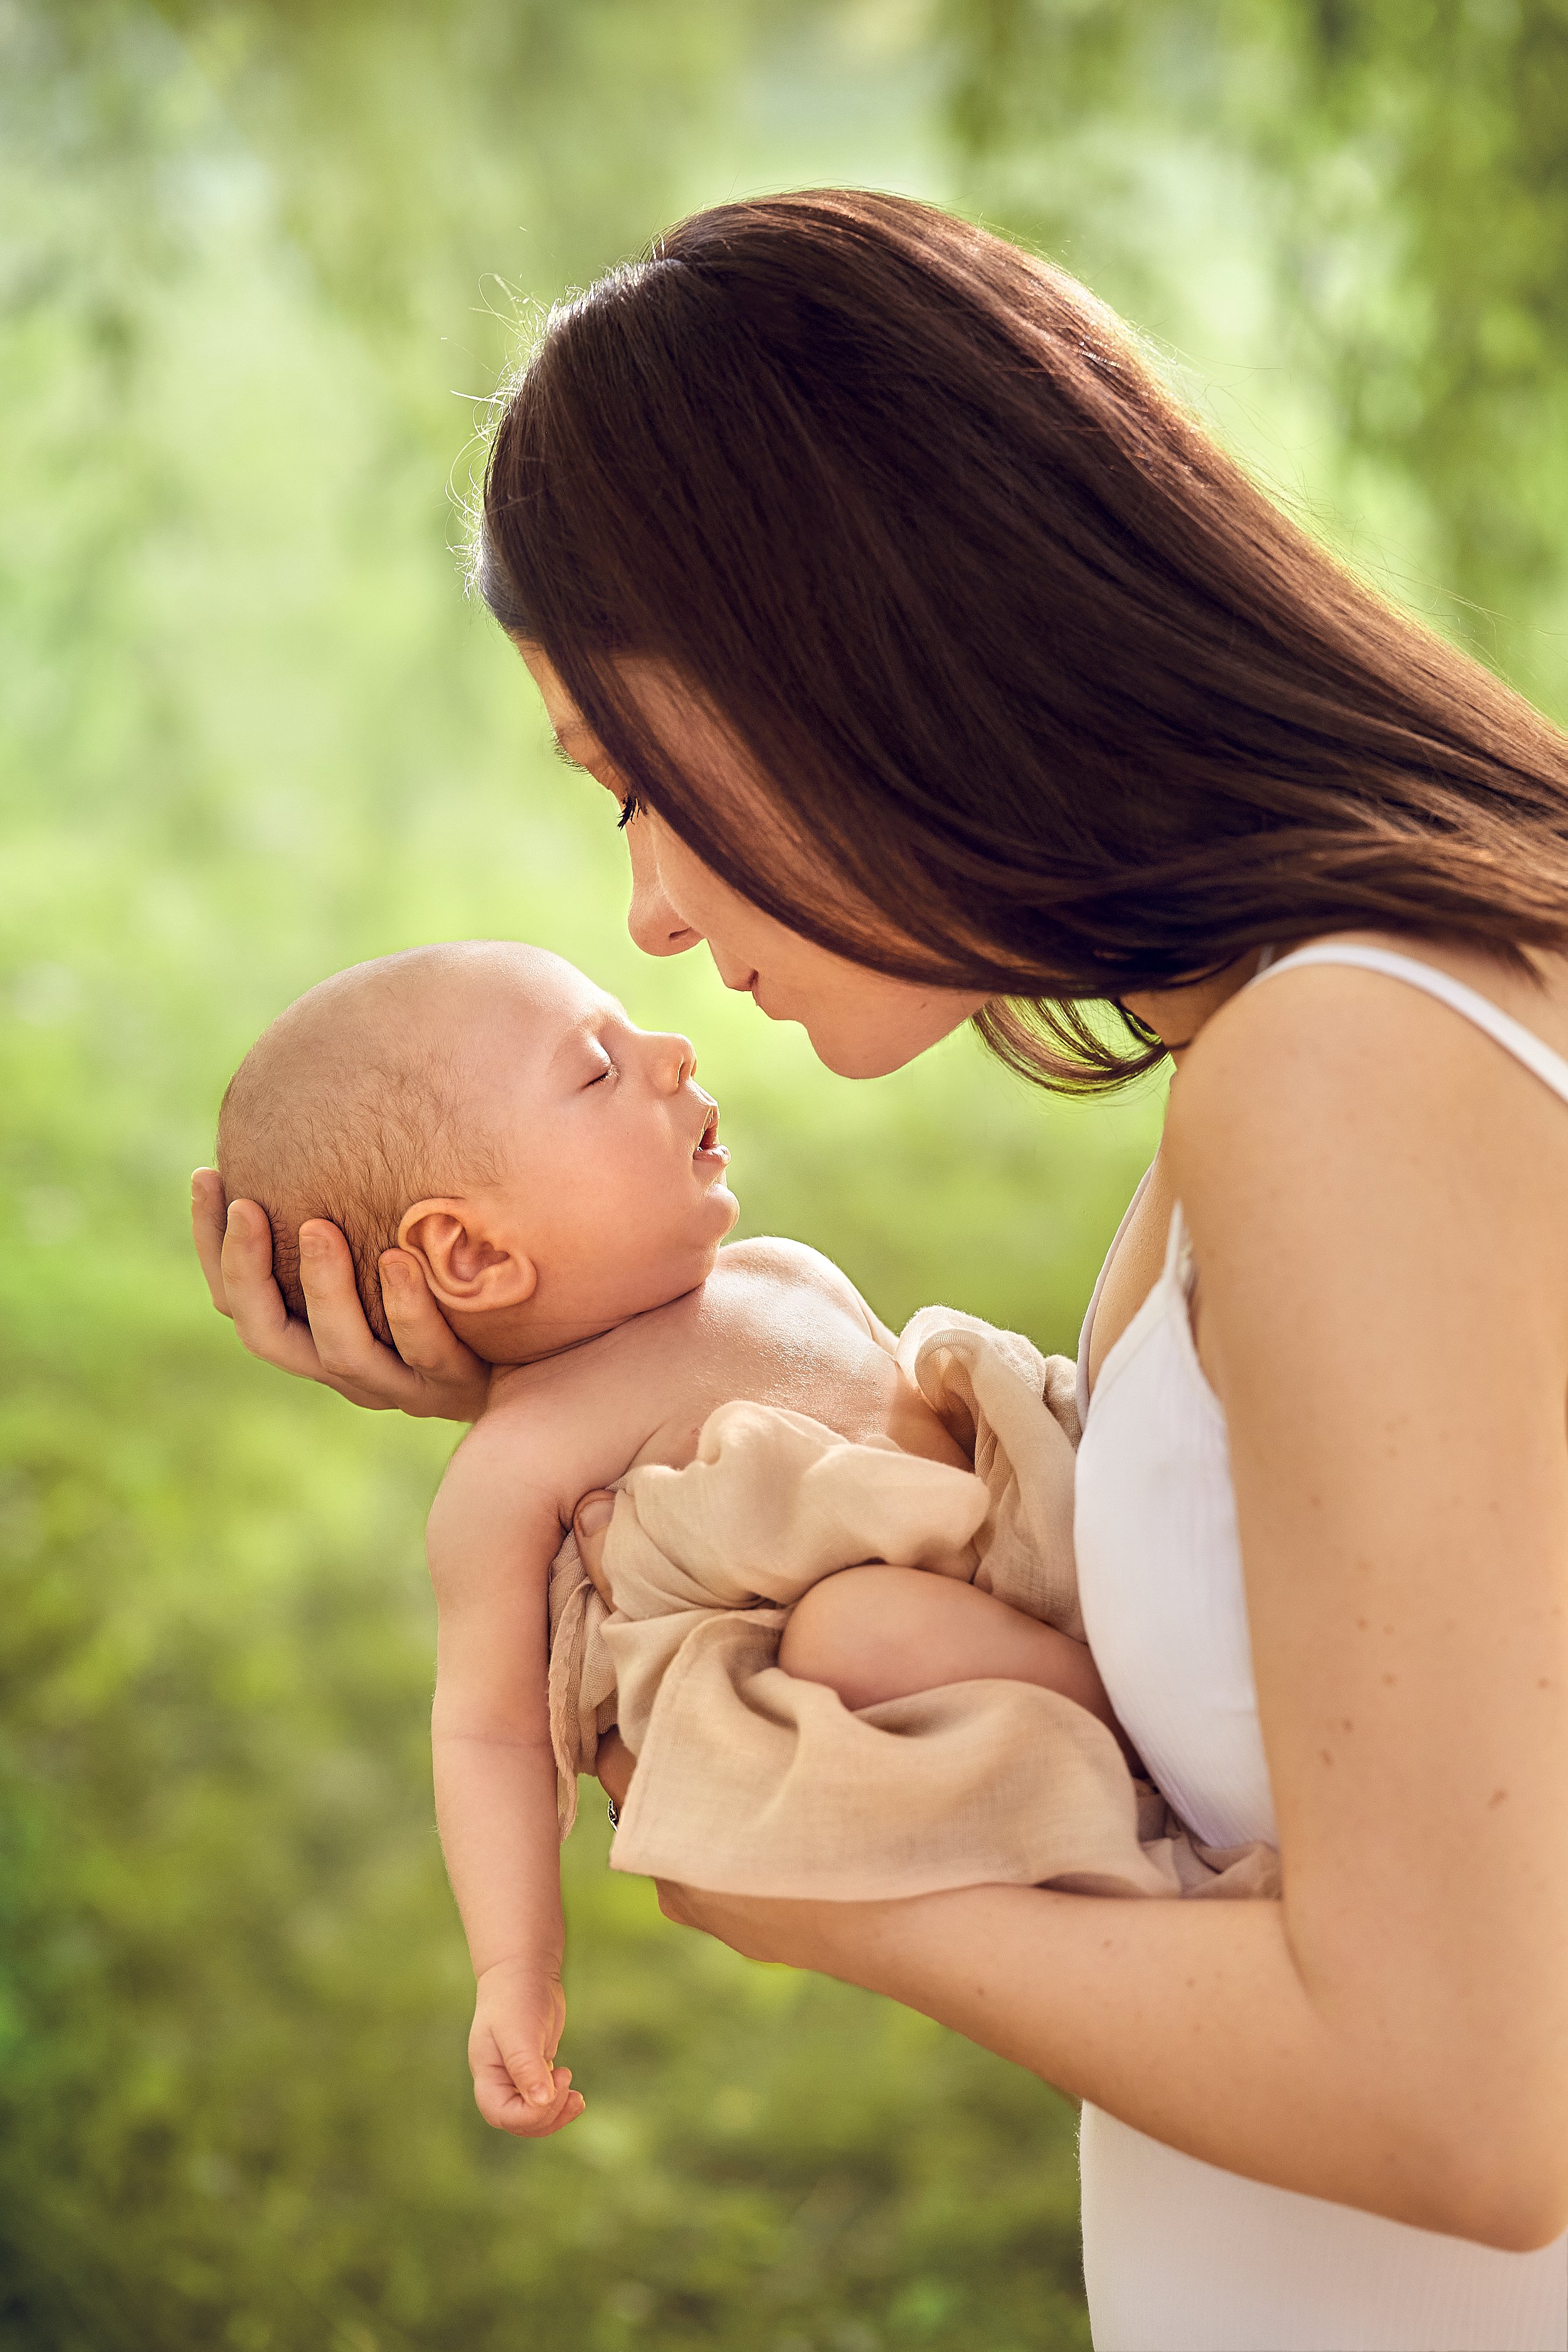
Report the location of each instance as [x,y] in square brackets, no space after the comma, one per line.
[590,1526]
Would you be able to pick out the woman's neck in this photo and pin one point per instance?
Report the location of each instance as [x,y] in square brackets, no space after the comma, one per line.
[1176,1014]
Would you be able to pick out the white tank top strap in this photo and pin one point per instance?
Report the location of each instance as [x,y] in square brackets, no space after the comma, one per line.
[1085,1333]
[1512,1035]
[1179,1267]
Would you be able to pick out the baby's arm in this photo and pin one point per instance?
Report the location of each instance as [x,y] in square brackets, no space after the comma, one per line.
[880,1632]
[493,1533]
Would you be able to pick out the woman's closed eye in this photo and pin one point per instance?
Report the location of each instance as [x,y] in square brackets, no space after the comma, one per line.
[631,806]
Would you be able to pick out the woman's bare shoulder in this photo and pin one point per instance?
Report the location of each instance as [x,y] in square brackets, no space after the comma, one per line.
[1339,1076]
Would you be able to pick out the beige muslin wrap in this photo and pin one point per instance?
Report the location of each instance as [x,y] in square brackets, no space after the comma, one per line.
[751,1782]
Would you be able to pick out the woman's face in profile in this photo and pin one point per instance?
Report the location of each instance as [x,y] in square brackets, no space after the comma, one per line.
[861,1023]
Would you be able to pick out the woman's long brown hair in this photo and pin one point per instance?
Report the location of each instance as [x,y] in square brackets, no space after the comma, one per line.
[1032,690]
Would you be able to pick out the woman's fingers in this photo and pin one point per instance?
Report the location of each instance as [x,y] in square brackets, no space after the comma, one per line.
[254,1299]
[436,1374]
[613,1766]
[344,1340]
[674,1902]
[591,1525]
[429,1372]
[361,1366]
[455,1381]
[260,1316]
[804,1934]
[207,1209]
[352,1359]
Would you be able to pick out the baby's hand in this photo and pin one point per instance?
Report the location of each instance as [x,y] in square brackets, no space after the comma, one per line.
[519,2014]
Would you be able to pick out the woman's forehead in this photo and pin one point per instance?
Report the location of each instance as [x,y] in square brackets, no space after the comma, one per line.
[651,686]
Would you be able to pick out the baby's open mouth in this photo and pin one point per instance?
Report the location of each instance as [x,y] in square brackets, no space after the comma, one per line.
[708,1144]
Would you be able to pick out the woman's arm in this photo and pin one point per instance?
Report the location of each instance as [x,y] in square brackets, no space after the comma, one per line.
[1374,1194]
[430,1375]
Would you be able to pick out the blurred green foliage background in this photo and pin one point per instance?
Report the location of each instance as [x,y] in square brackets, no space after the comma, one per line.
[260,267]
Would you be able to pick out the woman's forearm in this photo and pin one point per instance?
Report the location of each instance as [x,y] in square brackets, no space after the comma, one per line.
[1193,2022]
[1188,2021]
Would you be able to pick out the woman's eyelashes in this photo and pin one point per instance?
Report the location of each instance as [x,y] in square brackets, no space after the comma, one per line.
[631,806]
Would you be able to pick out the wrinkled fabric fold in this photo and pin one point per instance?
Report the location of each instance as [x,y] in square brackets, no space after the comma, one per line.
[751,1782]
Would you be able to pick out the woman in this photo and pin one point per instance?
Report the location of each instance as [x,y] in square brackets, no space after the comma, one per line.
[941,666]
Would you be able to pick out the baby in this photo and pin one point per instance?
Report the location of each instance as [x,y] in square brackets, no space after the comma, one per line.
[557,1172]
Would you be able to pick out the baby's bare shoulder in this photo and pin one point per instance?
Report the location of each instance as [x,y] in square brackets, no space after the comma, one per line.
[769,1257]
[500,1478]
[771,1275]
[542,1443]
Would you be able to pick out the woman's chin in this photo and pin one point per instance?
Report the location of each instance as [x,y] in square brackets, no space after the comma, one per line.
[896,1023]
[865,1057]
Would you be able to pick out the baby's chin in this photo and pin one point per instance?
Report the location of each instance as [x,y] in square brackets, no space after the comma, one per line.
[727,1207]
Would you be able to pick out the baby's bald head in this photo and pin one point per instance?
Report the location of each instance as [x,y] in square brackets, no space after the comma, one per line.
[370,1094]
[551,1168]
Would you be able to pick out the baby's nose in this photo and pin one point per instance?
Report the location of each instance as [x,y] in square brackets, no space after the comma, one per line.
[682,1058]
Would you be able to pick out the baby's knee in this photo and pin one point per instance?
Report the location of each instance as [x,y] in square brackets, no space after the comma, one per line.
[838,1632]
[819,1633]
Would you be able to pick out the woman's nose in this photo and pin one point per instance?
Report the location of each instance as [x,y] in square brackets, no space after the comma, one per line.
[652,922]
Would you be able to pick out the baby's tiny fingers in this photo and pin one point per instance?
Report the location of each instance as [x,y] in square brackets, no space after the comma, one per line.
[540,2083]
[502,2107]
[545,2126]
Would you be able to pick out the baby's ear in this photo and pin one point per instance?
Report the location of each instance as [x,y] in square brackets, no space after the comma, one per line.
[467,1266]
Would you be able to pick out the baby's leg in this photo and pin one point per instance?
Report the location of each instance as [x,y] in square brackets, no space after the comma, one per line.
[877,1633]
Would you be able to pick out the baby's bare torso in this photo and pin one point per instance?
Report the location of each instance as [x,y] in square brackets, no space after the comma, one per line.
[775,1324]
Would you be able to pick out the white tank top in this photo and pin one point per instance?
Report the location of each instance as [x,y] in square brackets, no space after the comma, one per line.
[1178,2255]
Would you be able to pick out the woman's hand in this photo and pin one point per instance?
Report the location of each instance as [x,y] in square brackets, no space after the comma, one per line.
[431,1374]
[823,1937]
[757,1929]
